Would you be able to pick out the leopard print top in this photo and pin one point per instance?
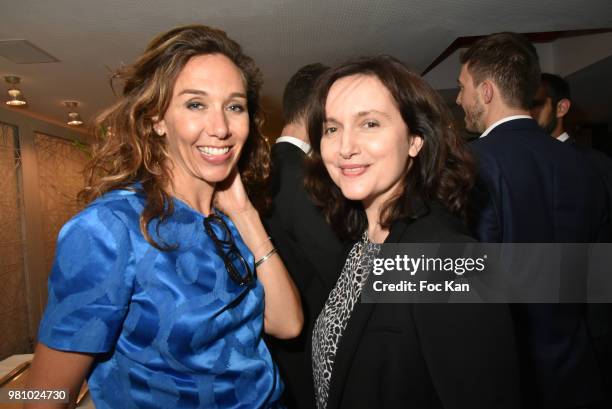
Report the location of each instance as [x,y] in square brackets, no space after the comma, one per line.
[336,313]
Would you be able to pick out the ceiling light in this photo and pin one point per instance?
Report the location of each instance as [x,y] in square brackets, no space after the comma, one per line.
[74,119]
[16,98]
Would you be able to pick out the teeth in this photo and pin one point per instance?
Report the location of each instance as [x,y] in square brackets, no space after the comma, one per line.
[353,170]
[209,150]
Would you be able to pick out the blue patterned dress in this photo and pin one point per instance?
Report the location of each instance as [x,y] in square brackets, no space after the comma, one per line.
[170,329]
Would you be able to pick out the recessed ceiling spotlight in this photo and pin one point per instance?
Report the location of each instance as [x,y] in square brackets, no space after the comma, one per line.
[16,98]
[74,119]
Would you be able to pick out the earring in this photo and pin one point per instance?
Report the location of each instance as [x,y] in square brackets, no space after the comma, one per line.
[157,131]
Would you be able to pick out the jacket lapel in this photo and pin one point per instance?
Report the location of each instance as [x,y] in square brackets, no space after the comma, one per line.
[353,333]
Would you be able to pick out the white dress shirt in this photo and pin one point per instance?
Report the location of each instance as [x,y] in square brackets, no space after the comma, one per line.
[305,147]
[563,137]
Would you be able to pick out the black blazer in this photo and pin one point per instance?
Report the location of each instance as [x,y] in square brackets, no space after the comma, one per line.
[599,316]
[602,164]
[310,251]
[532,188]
[423,356]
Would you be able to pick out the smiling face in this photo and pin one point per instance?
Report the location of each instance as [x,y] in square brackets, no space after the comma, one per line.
[365,144]
[468,98]
[206,123]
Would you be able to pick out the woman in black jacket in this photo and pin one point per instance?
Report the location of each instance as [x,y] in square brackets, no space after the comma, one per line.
[387,167]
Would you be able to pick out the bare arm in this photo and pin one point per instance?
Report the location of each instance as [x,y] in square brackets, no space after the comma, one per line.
[283,317]
[53,369]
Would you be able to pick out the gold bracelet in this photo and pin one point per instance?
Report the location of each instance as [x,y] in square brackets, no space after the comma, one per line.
[264,258]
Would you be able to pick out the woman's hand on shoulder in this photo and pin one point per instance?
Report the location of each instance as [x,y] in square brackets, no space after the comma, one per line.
[283,317]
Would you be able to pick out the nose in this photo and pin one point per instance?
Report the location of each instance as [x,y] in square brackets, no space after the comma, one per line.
[218,125]
[349,146]
[458,99]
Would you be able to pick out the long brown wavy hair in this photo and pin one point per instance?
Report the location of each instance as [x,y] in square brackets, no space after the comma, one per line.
[127,150]
[443,171]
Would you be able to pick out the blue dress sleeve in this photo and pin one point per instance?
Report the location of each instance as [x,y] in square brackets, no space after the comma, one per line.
[90,284]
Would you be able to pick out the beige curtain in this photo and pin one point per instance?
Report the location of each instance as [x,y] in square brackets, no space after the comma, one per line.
[60,166]
[14,331]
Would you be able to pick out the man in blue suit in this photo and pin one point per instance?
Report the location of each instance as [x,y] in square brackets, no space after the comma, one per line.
[532,188]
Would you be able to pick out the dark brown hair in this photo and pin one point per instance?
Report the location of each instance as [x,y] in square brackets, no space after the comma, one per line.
[298,89]
[509,60]
[129,151]
[443,170]
[556,88]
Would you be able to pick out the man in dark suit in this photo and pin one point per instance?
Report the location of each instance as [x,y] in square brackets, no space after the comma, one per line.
[305,242]
[551,104]
[531,188]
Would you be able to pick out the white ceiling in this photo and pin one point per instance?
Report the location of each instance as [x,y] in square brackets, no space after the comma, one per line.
[90,38]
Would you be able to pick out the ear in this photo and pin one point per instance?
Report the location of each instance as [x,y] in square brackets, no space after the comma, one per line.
[416,143]
[487,91]
[159,126]
[563,107]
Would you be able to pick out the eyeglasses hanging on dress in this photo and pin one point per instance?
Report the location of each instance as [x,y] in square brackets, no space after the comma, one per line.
[219,232]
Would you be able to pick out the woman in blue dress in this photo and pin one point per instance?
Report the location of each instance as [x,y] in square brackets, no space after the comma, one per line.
[162,286]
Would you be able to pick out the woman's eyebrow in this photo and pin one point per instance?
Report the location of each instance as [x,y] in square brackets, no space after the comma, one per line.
[331,119]
[192,91]
[204,93]
[371,111]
